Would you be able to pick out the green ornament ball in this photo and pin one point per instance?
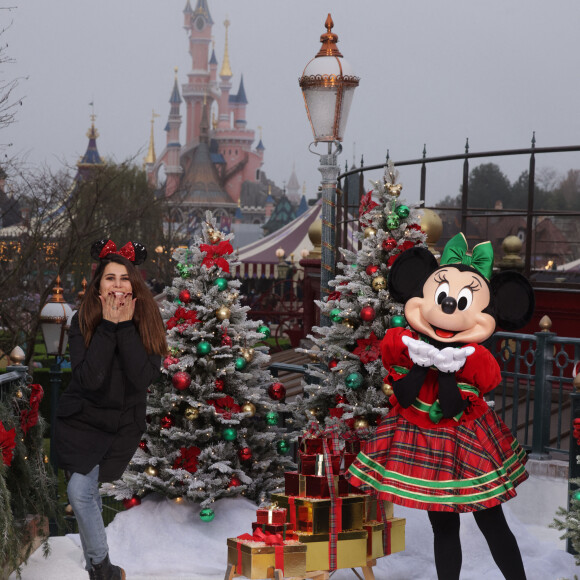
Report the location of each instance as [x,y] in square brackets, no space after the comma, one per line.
[221,283]
[240,363]
[335,315]
[263,329]
[183,270]
[229,434]
[206,515]
[398,321]
[392,221]
[282,446]
[272,418]
[403,211]
[203,347]
[576,495]
[354,380]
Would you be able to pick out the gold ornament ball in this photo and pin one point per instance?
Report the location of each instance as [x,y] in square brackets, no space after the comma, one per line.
[361,423]
[223,313]
[379,283]
[369,232]
[249,408]
[387,389]
[19,394]
[152,471]
[191,413]
[248,354]
[348,323]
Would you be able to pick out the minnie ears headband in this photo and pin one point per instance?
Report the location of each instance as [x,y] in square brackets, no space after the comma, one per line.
[133,251]
[481,258]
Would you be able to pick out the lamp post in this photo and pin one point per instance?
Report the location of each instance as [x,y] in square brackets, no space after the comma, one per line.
[55,322]
[328,85]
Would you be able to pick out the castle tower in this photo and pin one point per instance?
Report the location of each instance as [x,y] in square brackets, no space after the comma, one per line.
[173,169]
[293,187]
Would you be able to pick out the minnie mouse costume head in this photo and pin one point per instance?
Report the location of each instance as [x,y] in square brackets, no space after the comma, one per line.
[133,251]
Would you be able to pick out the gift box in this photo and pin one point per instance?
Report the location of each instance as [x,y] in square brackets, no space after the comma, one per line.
[258,560]
[375,540]
[315,486]
[351,549]
[395,532]
[344,488]
[310,445]
[280,529]
[314,464]
[347,459]
[312,515]
[291,483]
[373,512]
[271,515]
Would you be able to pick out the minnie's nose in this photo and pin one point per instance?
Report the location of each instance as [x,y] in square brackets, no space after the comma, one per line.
[449,305]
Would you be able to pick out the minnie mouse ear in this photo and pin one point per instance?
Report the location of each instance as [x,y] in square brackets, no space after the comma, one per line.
[513,298]
[96,248]
[140,253]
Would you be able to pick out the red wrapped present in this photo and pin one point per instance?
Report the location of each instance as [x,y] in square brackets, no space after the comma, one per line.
[316,486]
[314,464]
[344,487]
[279,529]
[291,483]
[271,515]
[310,445]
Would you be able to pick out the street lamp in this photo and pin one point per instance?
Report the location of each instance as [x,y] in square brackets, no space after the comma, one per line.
[328,85]
[55,319]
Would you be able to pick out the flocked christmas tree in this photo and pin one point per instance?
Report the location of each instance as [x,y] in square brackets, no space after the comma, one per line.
[349,390]
[215,416]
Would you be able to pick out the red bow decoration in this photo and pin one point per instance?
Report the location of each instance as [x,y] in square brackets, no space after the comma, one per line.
[182,318]
[215,253]
[368,349]
[187,459]
[266,537]
[225,406]
[7,444]
[29,418]
[127,251]
[366,204]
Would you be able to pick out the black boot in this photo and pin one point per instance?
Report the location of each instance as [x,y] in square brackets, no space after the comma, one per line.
[106,571]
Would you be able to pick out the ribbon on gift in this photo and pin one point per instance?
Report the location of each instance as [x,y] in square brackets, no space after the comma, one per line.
[331,433]
[271,512]
[292,508]
[274,540]
[381,512]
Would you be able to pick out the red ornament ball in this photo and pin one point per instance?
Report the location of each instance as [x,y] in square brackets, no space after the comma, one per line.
[219,385]
[143,445]
[168,361]
[226,340]
[185,296]
[372,269]
[332,364]
[131,502]
[276,391]
[181,380]
[245,454]
[340,399]
[368,314]
[167,422]
[235,481]
[389,244]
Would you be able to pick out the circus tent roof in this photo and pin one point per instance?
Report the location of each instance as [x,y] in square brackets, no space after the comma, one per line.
[258,259]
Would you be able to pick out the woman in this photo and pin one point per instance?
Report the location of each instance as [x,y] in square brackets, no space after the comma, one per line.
[117,339]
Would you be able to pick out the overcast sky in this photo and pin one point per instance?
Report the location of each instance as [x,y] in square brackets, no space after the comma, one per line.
[432,72]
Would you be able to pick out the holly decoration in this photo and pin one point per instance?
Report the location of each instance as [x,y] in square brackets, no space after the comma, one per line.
[185,296]
[206,515]
[277,391]
[181,380]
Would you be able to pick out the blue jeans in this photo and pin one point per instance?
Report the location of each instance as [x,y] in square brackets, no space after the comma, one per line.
[85,499]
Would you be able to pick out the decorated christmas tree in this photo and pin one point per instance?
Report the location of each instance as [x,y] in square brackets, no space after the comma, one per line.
[215,417]
[349,389]
[27,485]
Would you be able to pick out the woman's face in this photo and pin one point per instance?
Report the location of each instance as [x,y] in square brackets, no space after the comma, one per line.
[115,279]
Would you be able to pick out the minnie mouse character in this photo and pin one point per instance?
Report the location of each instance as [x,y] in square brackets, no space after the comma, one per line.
[441,448]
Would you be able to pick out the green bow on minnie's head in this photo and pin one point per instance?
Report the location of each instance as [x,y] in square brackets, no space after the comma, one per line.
[481,258]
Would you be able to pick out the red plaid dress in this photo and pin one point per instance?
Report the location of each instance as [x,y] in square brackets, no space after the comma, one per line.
[462,464]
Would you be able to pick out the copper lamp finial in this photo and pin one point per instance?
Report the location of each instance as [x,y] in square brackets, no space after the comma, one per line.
[329,40]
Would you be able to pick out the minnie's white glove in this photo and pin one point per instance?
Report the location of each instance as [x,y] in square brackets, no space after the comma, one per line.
[450,360]
[420,352]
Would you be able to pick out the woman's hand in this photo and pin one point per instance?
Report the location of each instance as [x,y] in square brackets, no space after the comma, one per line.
[118,306]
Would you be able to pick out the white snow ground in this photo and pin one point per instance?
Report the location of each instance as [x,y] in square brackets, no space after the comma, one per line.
[162,540]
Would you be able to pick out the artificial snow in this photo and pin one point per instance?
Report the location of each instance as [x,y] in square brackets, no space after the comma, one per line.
[163,540]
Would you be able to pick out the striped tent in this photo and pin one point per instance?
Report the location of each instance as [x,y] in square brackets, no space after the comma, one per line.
[258,259]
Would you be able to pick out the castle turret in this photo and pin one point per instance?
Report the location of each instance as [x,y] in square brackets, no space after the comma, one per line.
[173,168]
[225,86]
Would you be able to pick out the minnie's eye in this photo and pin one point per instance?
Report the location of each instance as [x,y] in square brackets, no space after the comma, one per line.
[464,299]
[442,292]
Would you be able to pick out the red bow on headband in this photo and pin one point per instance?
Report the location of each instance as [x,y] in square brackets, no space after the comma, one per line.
[127,251]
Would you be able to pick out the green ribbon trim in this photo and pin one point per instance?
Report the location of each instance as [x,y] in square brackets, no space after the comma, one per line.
[481,258]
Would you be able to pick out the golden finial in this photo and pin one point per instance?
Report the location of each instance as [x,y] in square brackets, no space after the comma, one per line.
[226,69]
[260,130]
[151,157]
[545,323]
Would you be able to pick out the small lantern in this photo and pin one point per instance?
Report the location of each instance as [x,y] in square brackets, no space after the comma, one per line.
[55,318]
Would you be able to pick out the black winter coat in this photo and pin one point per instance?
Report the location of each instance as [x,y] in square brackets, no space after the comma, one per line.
[101,415]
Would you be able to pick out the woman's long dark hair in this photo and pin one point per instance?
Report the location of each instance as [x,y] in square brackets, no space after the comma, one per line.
[147,317]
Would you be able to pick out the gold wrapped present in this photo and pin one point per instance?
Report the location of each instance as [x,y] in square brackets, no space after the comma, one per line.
[375,543]
[372,511]
[312,515]
[395,530]
[258,560]
[351,549]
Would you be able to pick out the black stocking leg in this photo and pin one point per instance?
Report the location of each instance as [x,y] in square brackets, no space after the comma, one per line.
[501,541]
[446,544]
